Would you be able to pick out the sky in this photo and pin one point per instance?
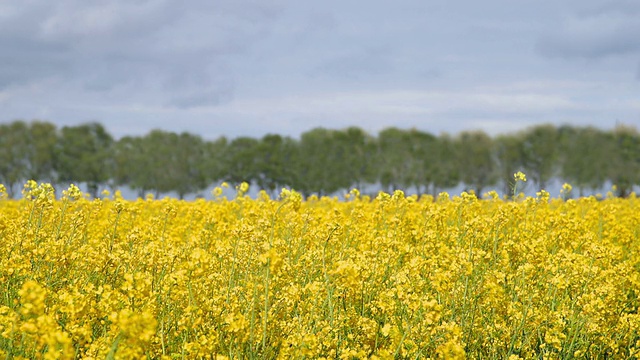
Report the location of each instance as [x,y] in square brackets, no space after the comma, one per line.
[251,67]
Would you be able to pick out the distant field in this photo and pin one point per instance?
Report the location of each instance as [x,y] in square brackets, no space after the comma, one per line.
[386,277]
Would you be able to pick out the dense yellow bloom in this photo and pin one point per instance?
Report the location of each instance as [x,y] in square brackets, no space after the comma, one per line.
[392,277]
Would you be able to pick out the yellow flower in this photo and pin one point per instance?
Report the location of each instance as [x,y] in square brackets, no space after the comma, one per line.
[398,195]
[74,193]
[32,296]
[383,197]
[242,189]
[285,193]
[29,186]
[237,322]
[355,193]
[520,176]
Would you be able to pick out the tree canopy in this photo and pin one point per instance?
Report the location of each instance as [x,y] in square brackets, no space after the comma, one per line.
[322,161]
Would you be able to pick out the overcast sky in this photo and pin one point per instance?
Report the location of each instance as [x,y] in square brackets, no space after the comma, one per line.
[251,67]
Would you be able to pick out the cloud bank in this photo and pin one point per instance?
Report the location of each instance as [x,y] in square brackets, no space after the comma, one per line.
[249,67]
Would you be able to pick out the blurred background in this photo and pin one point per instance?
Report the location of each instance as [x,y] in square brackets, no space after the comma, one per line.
[321,161]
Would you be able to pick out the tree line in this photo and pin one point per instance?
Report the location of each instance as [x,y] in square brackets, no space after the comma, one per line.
[322,161]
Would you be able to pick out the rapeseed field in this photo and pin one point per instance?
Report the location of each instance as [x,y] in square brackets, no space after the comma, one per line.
[390,277]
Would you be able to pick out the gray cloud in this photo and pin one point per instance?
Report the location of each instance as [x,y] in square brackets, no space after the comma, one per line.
[174,52]
[207,96]
[246,67]
[627,7]
[356,65]
[595,32]
[29,59]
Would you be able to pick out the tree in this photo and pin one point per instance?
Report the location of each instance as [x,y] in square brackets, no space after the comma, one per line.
[321,163]
[625,162]
[445,170]
[586,156]
[214,163]
[127,165]
[274,159]
[43,138]
[423,148]
[508,158]
[186,167]
[14,154]
[240,160]
[167,162]
[395,158]
[540,153]
[141,162]
[475,158]
[84,154]
[358,162]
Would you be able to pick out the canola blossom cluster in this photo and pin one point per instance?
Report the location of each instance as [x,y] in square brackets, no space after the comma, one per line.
[390,277]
